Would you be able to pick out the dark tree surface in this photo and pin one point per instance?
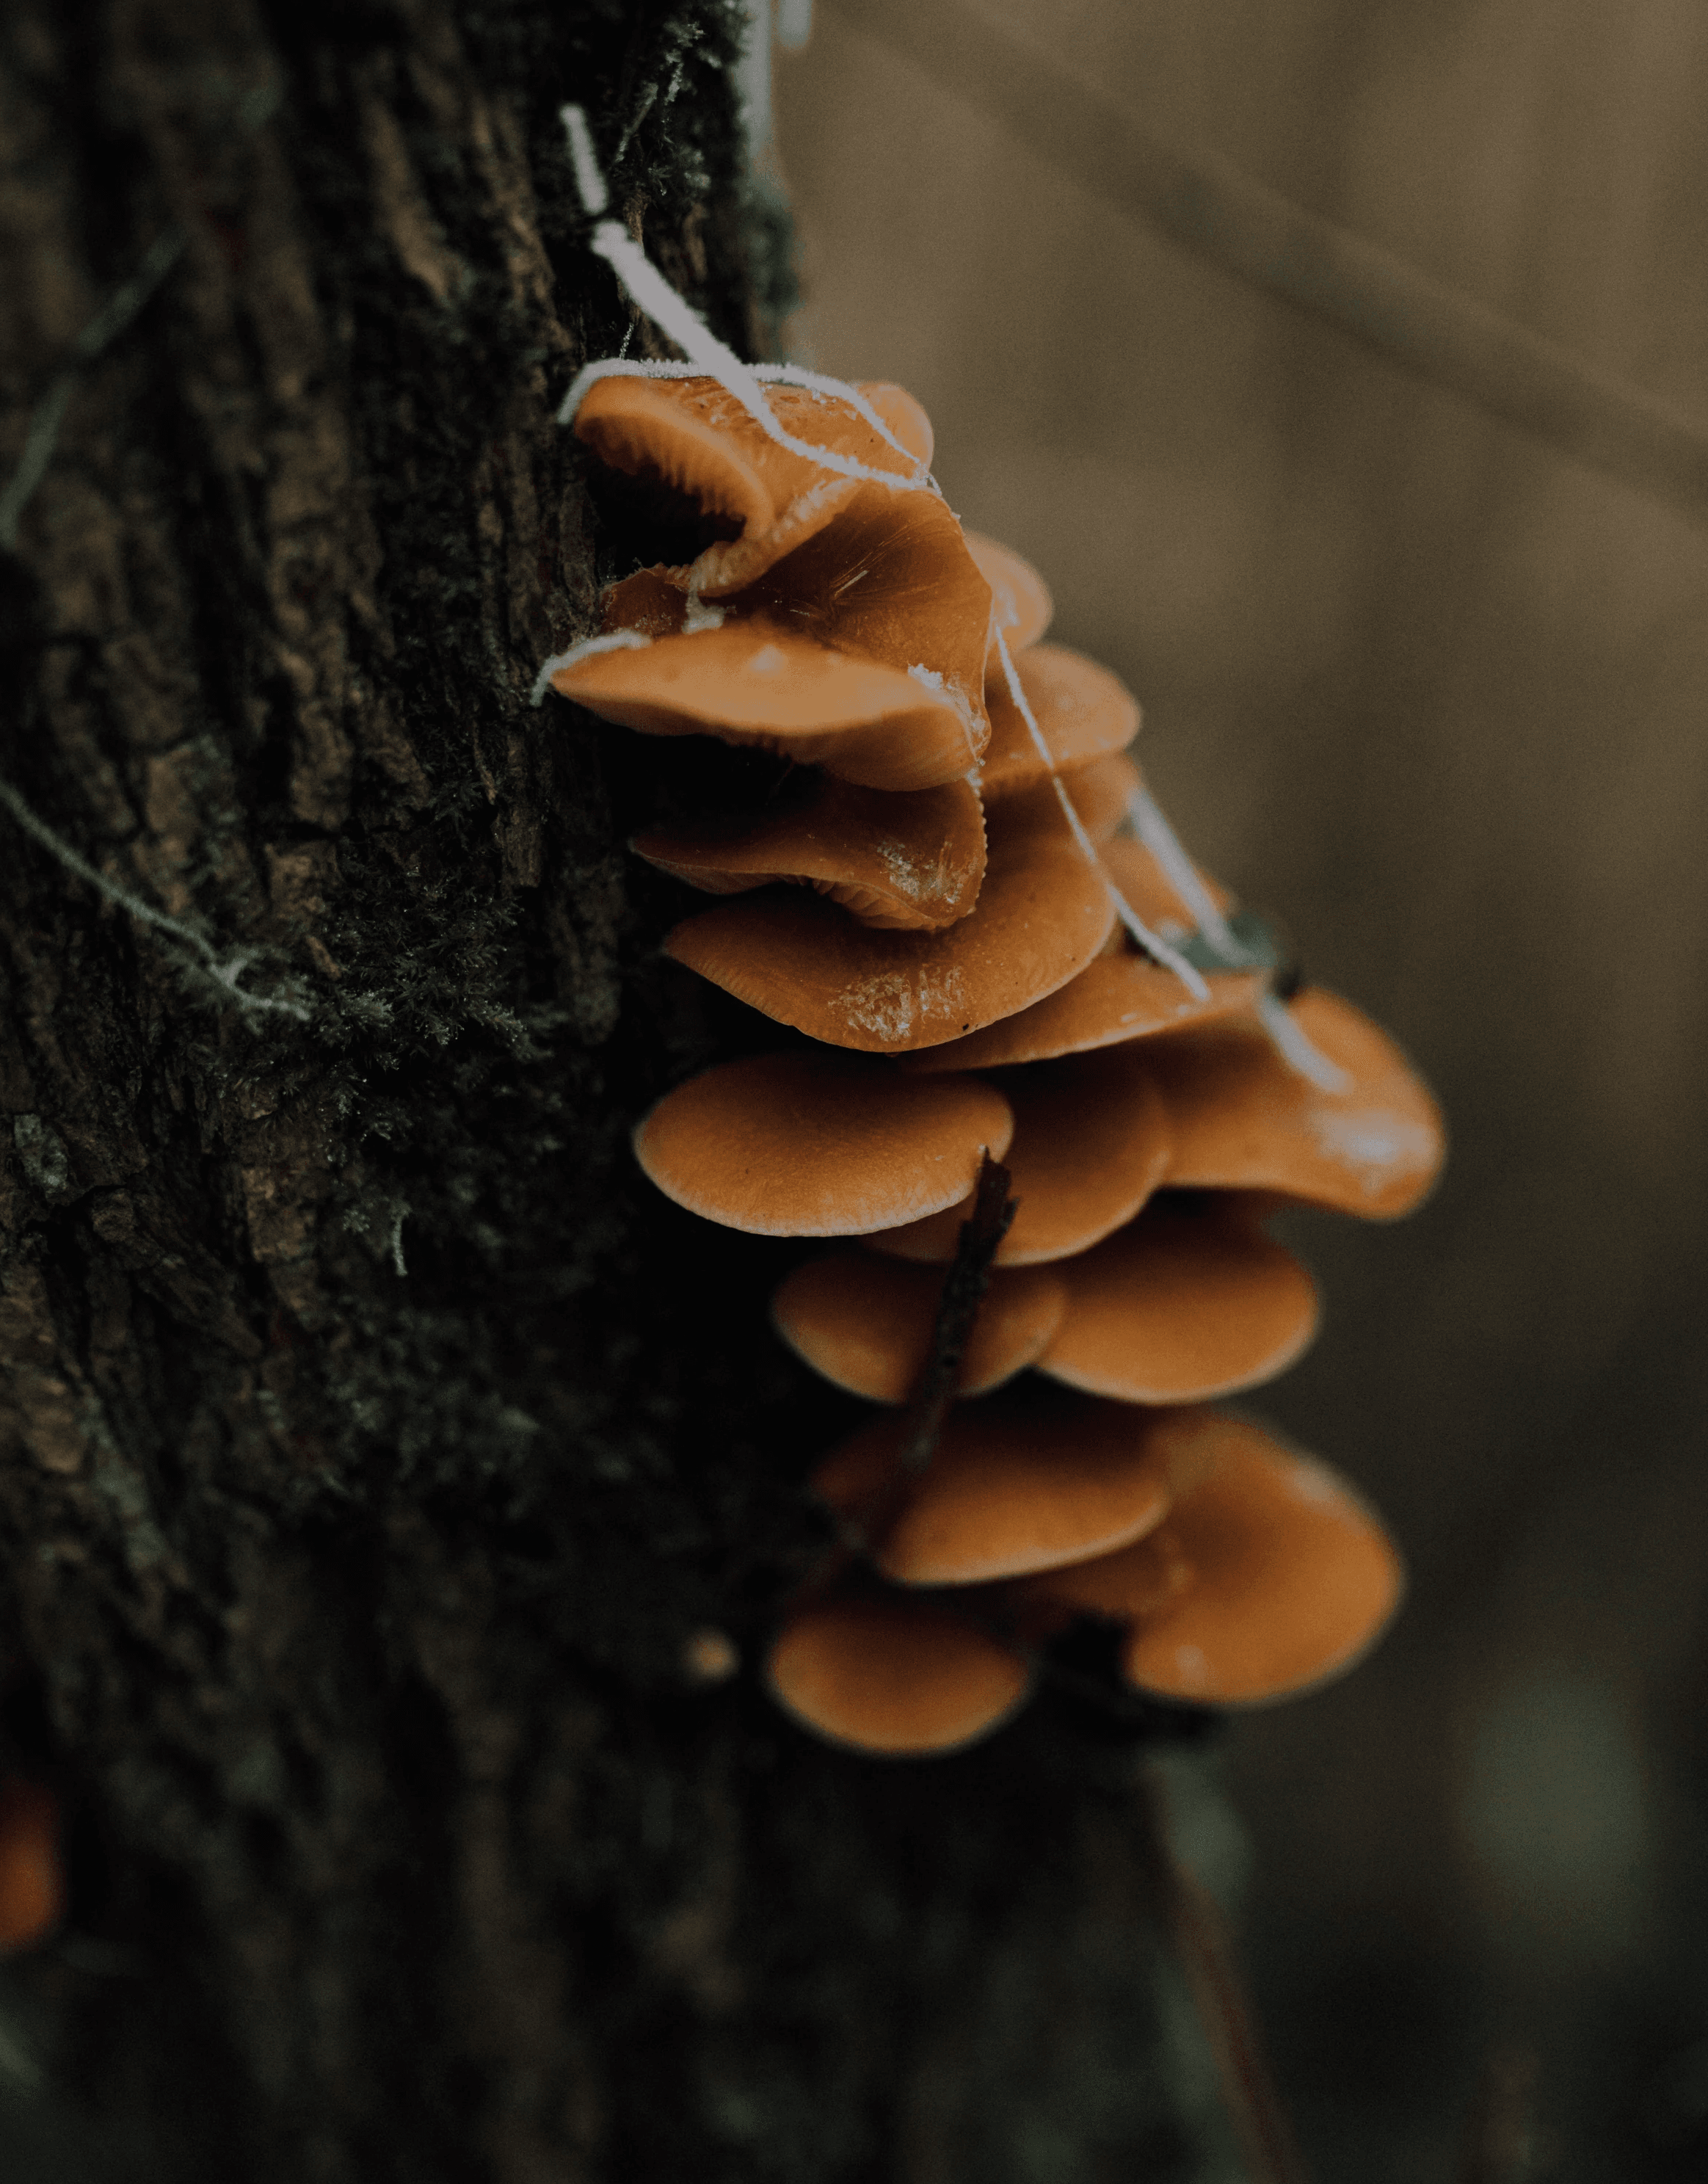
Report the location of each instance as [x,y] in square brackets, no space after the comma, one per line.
[375,1442]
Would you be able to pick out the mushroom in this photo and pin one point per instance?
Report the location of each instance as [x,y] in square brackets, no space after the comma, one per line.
[32,1880]
[1292,1576]
[1243,1119]
[758,682]
[1082,711]
[899,862]
[886,1673]
[1099,792]
[695,436]
[867,1324]
[1116,998]
[1189,1301]
[1020,596]
[1120,996]
[1091,1143]
[1010,1488]
[819,1144]
[1042,914]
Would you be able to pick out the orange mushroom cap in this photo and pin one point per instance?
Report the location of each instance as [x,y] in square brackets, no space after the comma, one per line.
[695,436]
[867,1324]
[1120,995]
[819,1145]
[1091,1143]
[899,862]
[891,1675]
[1135,1580]
[1098,794]
[1183,1303]
[1243,1119]
[1042,914]
[1021,598]
[1116,998]
[758,681]
[1010,1488]
[1082,711]
[32,1878]
[1294,1577]
[904,416]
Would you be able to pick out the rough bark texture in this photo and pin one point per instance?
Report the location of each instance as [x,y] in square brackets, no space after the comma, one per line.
[375,1442]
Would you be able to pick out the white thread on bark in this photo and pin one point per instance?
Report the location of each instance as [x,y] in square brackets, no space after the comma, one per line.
[224,971]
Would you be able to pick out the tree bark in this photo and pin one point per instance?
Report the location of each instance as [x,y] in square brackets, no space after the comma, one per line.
[383,1464]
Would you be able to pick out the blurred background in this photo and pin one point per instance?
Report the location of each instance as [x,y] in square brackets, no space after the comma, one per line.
[1430,688]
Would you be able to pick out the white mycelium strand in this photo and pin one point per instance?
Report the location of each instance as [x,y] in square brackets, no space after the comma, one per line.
[674,317]
[618,640]
[1183,876]
[1153,944]
[1296,1050]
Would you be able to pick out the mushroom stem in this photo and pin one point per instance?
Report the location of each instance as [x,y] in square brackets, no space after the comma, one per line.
[1153,944]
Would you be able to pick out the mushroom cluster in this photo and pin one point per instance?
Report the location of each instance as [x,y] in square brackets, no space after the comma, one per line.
[961,894]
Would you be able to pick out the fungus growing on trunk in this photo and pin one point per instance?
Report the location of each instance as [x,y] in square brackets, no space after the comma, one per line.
[965,856]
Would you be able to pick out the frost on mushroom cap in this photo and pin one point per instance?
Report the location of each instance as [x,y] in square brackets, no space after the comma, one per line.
[819,1145]
[1082,711]
[1091,1142]
[32,1880]
[1012,1487]
[1186,1302]
[867,1324]
[899,862]
[1020,596]
[759,682]
[1042,914]
[1292,1576]
[1243,1119]
[890,1675]
[699,440]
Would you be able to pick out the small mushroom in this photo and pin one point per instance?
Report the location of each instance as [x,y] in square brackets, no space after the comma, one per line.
[1117,997]
[1091,1143]
[1010,1488]
[758,681]
[1244,1119]
[32,1878]
[1294,1577]
[867,1324]
[1190,1301]
[696,437]
[819,1144]
[1020,597]
[1139,1579]
[885,1674]
[899,862]
[1082,711]
[1100,793]
[1042,914]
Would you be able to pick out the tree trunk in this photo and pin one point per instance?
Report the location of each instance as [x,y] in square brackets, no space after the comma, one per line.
[385,1466]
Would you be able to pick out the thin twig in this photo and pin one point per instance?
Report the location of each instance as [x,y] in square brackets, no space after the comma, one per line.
[225,971]
[957,1311]
[1206,203]
[1203,1950]
[116,314]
